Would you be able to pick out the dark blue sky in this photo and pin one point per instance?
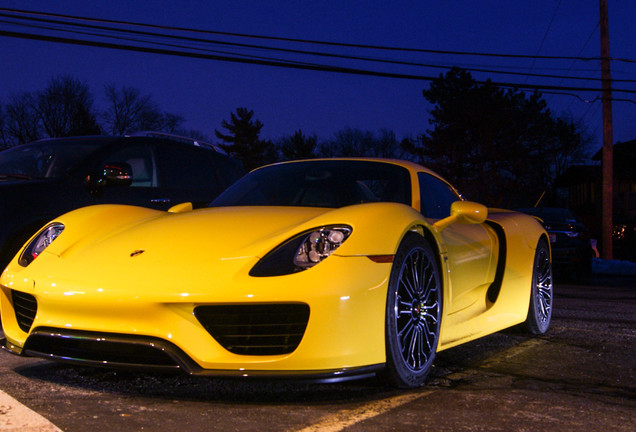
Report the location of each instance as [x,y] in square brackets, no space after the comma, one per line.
[204,92]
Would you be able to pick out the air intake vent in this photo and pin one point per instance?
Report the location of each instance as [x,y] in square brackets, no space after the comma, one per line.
[101,349]
[25,307]
[259,329]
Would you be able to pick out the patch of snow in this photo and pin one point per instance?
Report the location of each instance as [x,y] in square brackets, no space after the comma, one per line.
[613,267]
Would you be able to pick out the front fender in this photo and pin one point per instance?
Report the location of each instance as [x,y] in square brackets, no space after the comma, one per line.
[378,228]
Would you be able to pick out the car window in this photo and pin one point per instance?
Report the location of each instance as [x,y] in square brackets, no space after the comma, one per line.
[436,196]
[230,170]
[142,161]
[321,183]
[189,168]
[49,159]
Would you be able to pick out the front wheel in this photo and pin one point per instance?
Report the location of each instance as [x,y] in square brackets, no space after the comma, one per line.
[542,291]
[413,313]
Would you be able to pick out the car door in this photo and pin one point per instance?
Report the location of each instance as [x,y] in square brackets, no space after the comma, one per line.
[194,174]
[471,249]
[145,188]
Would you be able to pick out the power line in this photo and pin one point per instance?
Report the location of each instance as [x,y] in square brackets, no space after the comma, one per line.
[545,35]
[276,49]
[129,39]
[583,48]
[100,31]
[306,41]
[282,63]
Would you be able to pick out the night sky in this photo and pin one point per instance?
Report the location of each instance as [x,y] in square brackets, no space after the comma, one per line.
[205,91]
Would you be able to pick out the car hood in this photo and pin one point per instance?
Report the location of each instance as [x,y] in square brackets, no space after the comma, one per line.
[111,233]
[124,250]
[213,233]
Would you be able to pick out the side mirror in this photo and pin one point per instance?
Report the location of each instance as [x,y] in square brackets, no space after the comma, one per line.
[464,212]
[116,174]
[469,212]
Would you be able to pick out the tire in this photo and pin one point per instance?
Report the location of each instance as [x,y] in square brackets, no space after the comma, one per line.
[542,291]
[413,313]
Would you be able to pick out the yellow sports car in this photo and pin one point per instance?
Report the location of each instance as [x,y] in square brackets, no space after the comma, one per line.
[327,269]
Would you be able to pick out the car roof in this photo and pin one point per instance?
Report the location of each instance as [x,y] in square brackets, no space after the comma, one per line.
[138,137]
[179,138]
[411,166]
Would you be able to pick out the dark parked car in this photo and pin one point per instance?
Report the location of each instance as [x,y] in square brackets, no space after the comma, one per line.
[569,239]
[41,180]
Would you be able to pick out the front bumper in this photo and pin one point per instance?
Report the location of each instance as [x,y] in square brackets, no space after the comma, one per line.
[344,335]
[128,352]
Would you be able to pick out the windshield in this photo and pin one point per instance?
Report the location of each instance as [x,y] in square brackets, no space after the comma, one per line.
[46,159]
[320,183]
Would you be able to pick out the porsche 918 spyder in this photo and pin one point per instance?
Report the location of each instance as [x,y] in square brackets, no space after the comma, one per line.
[327,269]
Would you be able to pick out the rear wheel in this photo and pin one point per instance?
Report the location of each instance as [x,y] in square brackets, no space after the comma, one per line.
[413,313]
[542,291]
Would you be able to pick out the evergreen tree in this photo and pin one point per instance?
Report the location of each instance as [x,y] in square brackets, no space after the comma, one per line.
[242,140]
[497,146]
[298,146]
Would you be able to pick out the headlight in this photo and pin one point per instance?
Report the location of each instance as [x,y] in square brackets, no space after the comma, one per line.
[319,245]
[302,251]
[40,242]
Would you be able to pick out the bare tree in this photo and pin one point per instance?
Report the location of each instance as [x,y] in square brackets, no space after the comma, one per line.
[21,120]
[124,108]
[350,142]
[129,111]
[65,108]
[171,123]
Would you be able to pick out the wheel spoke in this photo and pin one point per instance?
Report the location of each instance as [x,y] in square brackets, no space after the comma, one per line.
[408,285]
[417,311]
[543,283]
[429,335]
[429,316]
[545,292]
[414,351]
[403,334]
[429,291]
[415,274]
[405,308]
[544,303]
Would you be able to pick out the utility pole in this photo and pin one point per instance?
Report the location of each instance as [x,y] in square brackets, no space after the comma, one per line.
[608,149]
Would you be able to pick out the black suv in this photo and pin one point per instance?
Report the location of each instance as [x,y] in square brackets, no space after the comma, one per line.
[569,240]
[41,180]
